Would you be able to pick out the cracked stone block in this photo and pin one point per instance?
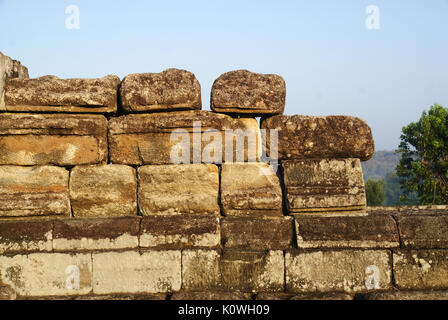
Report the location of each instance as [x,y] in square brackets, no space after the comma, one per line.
[9,69]
[424,231]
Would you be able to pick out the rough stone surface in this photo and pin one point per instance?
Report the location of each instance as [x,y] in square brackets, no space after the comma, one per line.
[180,232]
[302,137]
[327,185]
[211,295]
[6,293]
[346,232]
[132,272]
[47,274]
[233,270]
[257,233]
[305,296]
[104,190]
[33,191]
[9,69]
[95,234]
[59,139]
[345,271]
[183,137]
[62,95]
[250,189]
[26,236]
[424,231]
[406,295]
[422,269]
[178,189]
[245,92]
[172,89]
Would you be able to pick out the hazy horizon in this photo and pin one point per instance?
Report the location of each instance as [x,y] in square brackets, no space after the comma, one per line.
[332,63]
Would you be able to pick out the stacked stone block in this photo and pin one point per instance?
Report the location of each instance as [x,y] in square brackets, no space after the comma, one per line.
[114,189]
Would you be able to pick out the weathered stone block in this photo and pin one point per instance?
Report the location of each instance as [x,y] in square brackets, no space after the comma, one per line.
[58,139]
[257,233]
[324,185]
[250,189]
[47,274]
[245,92]
[180,232]
[95,234]
[407,295]
[132,272]
[233,271]
[104,190]
[305,296]
[33,191]
[347,271]
[25,236]
[9,69]
[423,269]
[346,232]
[172,89]
[302,137]
[211,295]
[424,231]
[178,189]
[183,137]
[62,95]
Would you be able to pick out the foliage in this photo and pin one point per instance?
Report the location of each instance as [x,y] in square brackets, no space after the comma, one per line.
[423,167]
[375,192]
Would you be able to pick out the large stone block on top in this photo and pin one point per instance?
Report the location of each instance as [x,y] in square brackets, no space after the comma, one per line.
[172,89]
[302,137]
[327,185]
[52,94]
[33,191]
[178,189]
[58,139]
[245,92]
[9,69]
[183,137]
[250,189]
[103,190]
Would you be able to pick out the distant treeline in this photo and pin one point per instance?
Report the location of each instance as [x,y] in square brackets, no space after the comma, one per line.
[381,167]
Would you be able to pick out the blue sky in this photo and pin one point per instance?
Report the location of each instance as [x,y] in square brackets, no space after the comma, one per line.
[331,62]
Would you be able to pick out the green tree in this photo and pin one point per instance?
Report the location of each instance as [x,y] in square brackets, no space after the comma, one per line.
[423,167]
[375,192]
[392,189]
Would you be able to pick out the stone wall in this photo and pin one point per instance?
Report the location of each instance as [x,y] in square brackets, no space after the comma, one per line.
[115,189]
